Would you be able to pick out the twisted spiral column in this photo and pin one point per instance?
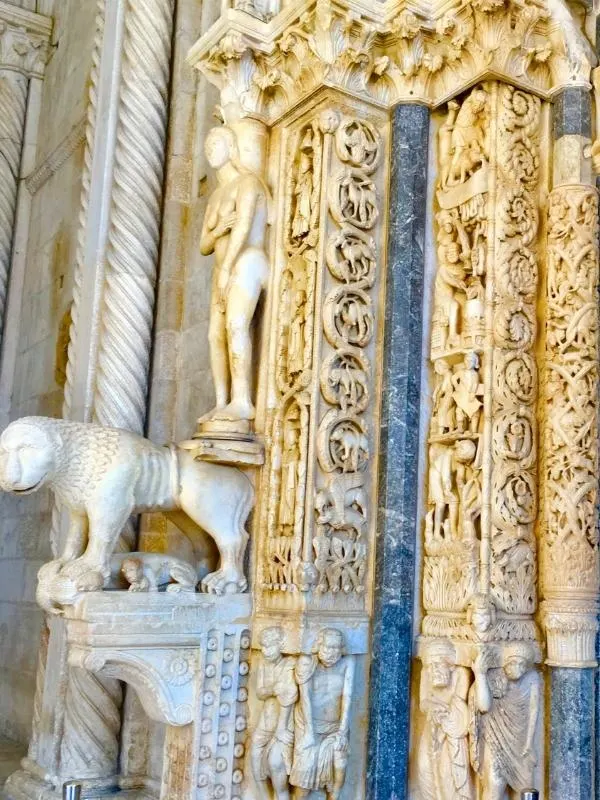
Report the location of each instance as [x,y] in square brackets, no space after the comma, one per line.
[132,254]
[13,102]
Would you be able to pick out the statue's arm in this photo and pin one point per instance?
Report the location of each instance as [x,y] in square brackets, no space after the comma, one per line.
[245,209]
[208,235]
[347,695]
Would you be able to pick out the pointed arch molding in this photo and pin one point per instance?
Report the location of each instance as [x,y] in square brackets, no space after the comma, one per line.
[389,53]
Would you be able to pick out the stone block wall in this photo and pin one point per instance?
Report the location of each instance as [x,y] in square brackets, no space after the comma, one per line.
[39,341]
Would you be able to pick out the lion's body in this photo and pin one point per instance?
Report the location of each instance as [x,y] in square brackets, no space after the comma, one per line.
[103,475]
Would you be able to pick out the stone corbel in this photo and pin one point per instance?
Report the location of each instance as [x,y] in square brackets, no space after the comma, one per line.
[24,40]
[164,678]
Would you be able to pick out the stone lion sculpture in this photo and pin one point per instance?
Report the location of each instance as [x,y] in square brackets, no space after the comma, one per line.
[103,476]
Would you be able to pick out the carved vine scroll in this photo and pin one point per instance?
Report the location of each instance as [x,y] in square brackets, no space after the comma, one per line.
[320,472]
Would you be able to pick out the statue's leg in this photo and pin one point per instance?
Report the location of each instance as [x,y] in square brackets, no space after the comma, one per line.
[76,536]
[244,292]
[217,338]
[91,570]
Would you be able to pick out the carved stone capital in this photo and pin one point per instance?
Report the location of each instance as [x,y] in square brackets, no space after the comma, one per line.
[571,627]
[386,53]
[24,40]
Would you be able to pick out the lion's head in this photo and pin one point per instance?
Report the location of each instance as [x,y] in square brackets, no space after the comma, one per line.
[28,453]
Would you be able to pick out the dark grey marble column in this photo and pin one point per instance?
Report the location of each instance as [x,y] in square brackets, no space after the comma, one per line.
[399,458]
[572,700]
[572,740]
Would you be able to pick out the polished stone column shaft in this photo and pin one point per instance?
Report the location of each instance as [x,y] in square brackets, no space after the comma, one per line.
[399,458]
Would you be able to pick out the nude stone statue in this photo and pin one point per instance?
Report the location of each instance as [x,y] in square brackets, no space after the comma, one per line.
[234,229]
[273,739]
[103,476]
[322,718]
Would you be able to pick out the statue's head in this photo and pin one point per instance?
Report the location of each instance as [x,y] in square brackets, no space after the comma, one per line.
[518,659]
[132,569]
[27,456]
[330,646]
[481,613]
[439,657]
[271,642]
[220,146]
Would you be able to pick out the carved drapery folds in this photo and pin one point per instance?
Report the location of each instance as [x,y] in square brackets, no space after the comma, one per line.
[569,541]
[479,643]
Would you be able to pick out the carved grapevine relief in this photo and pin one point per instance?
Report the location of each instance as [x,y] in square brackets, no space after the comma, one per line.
[480,572]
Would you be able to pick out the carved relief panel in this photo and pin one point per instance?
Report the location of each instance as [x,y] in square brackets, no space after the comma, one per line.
[479,640]
[317,507]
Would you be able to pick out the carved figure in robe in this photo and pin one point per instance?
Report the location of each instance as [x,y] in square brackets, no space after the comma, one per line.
[234,229]
[468,487]
[467,393]
[104,475]
[290,458]
[469,138]
[505,705]
[298,297]
[450,276]
[443,400]
[443,768]
[273,738]
[445,141]
[303,189]
[322,718]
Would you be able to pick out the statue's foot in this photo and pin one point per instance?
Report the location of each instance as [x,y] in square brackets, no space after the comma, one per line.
[210,414]
[225,581]
[236,410]
[86,577]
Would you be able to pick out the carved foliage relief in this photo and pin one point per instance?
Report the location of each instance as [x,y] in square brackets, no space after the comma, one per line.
[480,574]
[321,469]
[570,534]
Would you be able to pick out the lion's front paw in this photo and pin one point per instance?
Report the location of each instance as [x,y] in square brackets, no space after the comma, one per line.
[85,576]
[225,581]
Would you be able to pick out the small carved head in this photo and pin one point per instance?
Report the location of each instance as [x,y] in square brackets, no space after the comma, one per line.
[132,570]
[439,658]
[330,646]
[481,613]
[271,642]
[27,456]
[220,146]
[518,659]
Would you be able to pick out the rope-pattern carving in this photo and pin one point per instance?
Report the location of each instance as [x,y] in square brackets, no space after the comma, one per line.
[90,743]
[132,255]
[86,178]
[13,102]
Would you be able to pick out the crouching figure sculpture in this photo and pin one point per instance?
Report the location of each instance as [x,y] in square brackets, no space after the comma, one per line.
[103,476]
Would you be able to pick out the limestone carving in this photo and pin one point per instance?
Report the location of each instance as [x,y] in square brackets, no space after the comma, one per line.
[444,771]
[570,519]
[103,475]
[273,738]
[149,572]
[234,229]
[332,239]
[506,705]
[393,53]
[322,718]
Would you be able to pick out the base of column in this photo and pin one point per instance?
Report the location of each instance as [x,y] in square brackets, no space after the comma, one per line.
[572,733]
[23,785]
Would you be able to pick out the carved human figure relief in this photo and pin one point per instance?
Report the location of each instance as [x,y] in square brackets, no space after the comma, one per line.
[444,771]
[102,476]
[505,703]
[235,230]
[322,718]
[272,741]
